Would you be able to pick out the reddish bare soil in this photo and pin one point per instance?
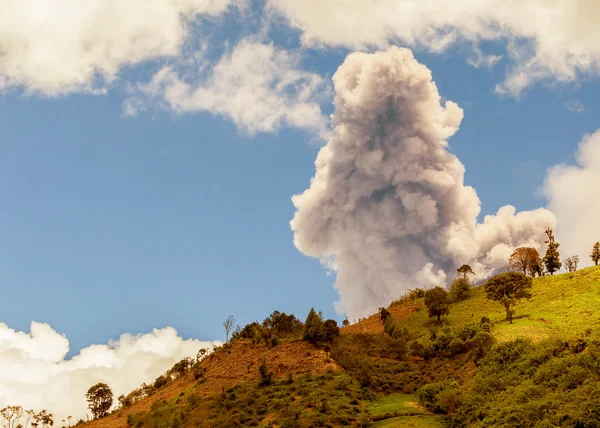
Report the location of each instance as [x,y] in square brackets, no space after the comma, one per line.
[373,324]
[235,363]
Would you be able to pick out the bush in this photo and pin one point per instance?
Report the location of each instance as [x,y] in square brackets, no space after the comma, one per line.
[441,397]
[266,375]
[460,289]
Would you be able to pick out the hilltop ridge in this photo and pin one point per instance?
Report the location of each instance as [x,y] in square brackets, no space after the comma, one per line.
[427,375]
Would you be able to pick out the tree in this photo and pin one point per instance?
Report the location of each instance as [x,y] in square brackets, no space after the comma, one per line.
[571,263]
[507,288]
[436,300]
[283,325]
[552,257]
[228,324]
[100,399]
[314,328]
[332,330]
[524,259]
[44,418]
[345,323]
[595,256]
[384,314]
[464,271]
[12,414]
[460,289]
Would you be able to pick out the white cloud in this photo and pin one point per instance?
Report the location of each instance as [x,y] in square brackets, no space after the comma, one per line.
[575,106]
[35,374]
[544,39]
[572,192]
[61,46]
[388,209]
[256,85]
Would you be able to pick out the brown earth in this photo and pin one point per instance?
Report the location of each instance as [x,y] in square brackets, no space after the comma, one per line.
[373,324]
[232,364]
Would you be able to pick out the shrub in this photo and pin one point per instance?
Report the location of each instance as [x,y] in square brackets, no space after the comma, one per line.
[266,375]
[460,289]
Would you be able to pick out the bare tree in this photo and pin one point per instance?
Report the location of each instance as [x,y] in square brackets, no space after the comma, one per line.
[571,263]
[11,414]
[228,324]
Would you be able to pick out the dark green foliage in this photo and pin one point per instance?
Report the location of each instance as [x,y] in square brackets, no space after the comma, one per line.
[283,325]
[474,340]
[552,383]
[437,302]
[314,328]
[460,289]
[552,257]
[384,314]
[332,331]
[248,332]
[595,256]
[507,288]
[317,331]
[465,271]
[329,400]
[266,375]
[160,382]
[440,397]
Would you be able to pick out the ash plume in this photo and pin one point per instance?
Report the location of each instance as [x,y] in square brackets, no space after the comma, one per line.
[388,209]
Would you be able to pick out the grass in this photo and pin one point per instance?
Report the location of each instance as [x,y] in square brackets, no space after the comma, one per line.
[401,410]
[422,421]
[401,403]
[381,375]
[561,305]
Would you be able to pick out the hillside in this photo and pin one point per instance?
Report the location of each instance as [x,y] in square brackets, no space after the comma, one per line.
[542,370]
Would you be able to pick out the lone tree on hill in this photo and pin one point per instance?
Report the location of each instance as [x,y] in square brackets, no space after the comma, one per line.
[100,398]
[571,263]
[552,257]
[524,259]
[595,256]
[228,325]
[464,271]
[437,303]
[507,288]
[346,323]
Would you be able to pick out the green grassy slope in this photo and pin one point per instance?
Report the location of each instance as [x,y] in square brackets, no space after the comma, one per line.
[542,371]
[562,304]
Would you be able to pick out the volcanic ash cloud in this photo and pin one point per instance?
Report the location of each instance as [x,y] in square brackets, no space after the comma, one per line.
[387,209]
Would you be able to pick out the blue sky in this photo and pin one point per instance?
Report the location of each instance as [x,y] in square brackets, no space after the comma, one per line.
[116,224]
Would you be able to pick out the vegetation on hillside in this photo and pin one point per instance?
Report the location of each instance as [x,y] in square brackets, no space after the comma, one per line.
[463,358]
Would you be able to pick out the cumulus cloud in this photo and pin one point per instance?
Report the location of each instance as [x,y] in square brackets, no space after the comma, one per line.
[572,192]
[63,46]
[35,374]
[543,39]
[256,85]
[388,209]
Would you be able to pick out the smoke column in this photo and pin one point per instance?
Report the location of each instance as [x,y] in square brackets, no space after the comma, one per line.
[387,209]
